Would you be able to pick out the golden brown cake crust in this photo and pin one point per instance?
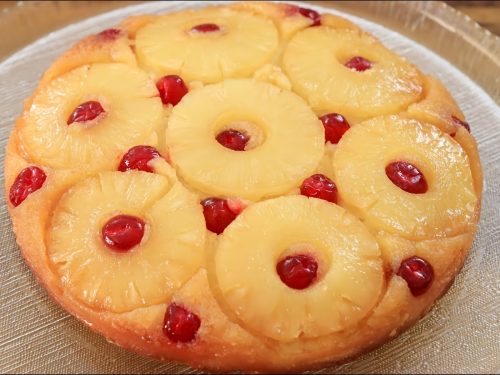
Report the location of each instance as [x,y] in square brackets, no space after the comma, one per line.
[224,342]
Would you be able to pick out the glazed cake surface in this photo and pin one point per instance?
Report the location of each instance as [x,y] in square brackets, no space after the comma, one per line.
[252,186]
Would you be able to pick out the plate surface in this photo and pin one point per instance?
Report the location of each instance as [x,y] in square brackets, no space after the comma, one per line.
[460,335]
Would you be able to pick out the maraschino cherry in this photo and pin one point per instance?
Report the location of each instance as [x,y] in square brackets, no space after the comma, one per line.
[109,34]
[319,186]
[358,63]
[233,139]
[335,126]
[86,112]
[218,214]
[407,177]
[297,271]
[123,232]
[417,273]
[312,15]
[205,28]
[180,324]
[138,158]
[29,180]
[172,89]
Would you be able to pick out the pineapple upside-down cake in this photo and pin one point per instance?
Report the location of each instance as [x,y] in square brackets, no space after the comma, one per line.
[252,186]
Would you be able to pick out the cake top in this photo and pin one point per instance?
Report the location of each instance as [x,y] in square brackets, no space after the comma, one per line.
[213,184]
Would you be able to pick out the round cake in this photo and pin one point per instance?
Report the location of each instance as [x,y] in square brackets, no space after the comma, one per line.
[253,186]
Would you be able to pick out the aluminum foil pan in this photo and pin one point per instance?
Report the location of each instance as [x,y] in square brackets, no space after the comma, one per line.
[460,335]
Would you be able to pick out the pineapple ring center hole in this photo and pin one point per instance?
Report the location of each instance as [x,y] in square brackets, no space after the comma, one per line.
[301,266]
[240,136]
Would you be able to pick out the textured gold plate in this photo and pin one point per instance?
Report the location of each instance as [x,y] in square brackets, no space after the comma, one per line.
[459,336]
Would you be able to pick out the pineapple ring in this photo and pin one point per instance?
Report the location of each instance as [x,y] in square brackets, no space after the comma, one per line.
[314,61]
[273,167]
[448,208]
[132,113]
[170,253]
[437,107]
[285,16]
[245,42]
[245,268]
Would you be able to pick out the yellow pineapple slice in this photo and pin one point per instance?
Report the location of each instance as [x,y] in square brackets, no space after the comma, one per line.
[108,46]
[169,253]
[350,276]
[133,24]
[314,61]
[240,43]
[132,112]
[290,139]
[286,17]
[337,22]
[448,206]
[469,144]
[290,18]
[437,107]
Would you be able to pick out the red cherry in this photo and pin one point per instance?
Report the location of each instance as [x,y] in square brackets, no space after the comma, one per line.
[418,274]
[218,214]
[205,28]
[312,15]
[232,139]
[137,158]
[179,324]
[459,122]
[319,186]
[30,179]
[85,112]
[172,89]
[123,232]
[109,34]
[335,126]
[359,64]
[407,177]
[297,271]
